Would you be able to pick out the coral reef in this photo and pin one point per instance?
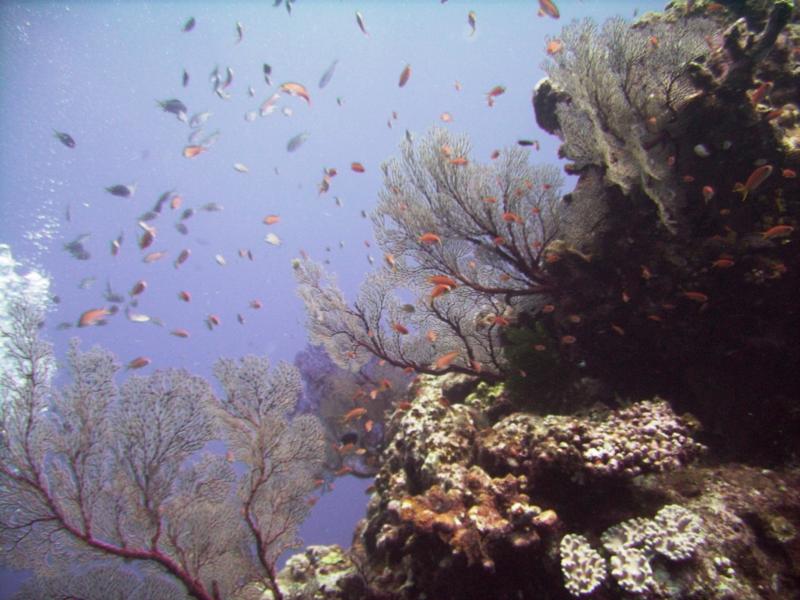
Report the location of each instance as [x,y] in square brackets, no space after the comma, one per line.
[663,338]
[448,520]
[644,437]
[689,213]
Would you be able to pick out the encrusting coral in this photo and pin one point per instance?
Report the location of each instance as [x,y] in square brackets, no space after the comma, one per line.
[645,437]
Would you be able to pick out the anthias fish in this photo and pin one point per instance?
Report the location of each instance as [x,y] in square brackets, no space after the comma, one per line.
[404,76]
[756,178]
[548,7]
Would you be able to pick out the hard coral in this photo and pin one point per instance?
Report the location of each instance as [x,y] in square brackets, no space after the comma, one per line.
[645,437]
[583,567]
[674,533]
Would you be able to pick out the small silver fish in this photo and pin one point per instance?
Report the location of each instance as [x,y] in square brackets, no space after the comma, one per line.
[361,25]
[328,74]
[198,119]
[123,191]
[297,141]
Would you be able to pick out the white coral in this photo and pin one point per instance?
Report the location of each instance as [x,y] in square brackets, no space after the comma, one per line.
[680,532]
[583,567]
[632,571]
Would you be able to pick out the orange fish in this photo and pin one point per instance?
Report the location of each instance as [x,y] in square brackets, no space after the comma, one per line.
[552,257]
[548,308]
[368,425]
[343,471]
[510,217]
[459,161]
[138,363]
[788,173]
[271,219]
[404,76]
[446,117]
[708,193]
[445,359]
[153,257]
[756,178]
[175,202]
[489,199]
[400,328]
[554,46]
[255,304]
[777,231]
[192,151]
[354,414]
[540,347]
[617,329]
[495,154]
[139,287]
[148,237]
[212,320]
[93,316]
[185,296]
[182,257]
[181,333]
[431,335]
[722,263]
[442,280]
[548,7]
[500,321]
[568,339]
[760,92]
[696,296]
[494,93]
[439,290]
[430,238]
[357,167]
[389,258]
[774,114]
[296,89]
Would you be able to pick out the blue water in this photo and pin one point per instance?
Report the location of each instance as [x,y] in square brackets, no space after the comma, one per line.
[96,69]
